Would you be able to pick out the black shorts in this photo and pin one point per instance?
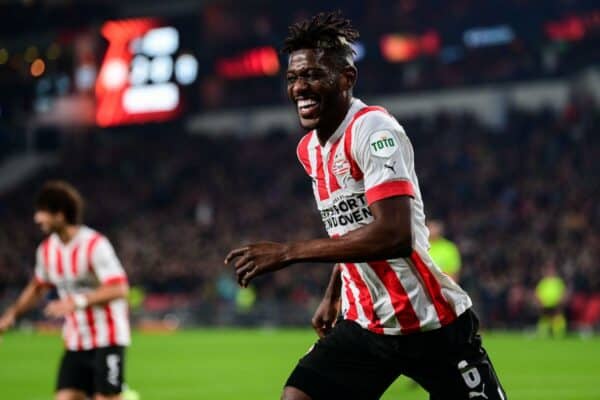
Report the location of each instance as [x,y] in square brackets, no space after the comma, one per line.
[354,363]
[93,371]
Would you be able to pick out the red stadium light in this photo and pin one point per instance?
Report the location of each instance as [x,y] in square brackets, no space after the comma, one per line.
[574,27]
[261,61]
[402,48]
[430,43]
[570,30]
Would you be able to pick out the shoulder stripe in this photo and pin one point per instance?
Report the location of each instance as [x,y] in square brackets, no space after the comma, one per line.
[90,249]
[354,169]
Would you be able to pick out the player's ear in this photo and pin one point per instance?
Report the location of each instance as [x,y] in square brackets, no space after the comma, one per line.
[348,77]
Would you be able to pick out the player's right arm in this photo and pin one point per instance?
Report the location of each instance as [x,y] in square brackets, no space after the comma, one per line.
[30,296]
[327,311]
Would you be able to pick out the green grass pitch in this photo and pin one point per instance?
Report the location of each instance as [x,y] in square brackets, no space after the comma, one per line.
[253,364]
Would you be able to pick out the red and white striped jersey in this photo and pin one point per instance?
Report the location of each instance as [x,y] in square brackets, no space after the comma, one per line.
[369,158]
[80,266]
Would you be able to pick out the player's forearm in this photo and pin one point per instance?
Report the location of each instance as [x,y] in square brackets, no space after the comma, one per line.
[30,296]
[106,293]
[333,291]
[375,241]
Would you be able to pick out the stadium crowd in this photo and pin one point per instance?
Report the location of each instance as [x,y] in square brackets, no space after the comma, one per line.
[228,29]
[515,199]
[530,54]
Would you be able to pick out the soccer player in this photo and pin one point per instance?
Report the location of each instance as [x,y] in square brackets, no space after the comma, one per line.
[551,293]
[92,288]
[401,314]
[443,252]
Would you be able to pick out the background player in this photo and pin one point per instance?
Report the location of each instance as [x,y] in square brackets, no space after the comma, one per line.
[402,315]
[551,293]
[443,252]
[92,288]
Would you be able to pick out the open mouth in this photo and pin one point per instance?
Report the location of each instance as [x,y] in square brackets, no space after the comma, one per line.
[307,108]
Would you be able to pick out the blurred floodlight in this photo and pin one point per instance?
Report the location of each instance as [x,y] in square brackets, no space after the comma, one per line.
[488,36]
[37,67]
[403,48]
[85,77]
[135,46]
[161,69]
[140,70]
[186,69]
[160,42]
[259,61]
[115,74]
[151,98]
[399,48]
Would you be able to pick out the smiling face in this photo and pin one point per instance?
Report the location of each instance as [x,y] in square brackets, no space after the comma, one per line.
[320,91]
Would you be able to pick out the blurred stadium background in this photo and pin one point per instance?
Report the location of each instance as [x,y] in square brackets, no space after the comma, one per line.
[171,118]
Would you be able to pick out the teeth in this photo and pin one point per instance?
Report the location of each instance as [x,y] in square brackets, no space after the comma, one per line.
[306,103]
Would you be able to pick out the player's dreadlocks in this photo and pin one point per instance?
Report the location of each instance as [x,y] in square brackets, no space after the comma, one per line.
[329,32]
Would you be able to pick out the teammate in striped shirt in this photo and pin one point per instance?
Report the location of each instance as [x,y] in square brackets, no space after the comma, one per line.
[92,287]
[400,313]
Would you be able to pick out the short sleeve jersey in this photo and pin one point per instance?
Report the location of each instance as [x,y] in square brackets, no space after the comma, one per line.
[367,159]
[80,266]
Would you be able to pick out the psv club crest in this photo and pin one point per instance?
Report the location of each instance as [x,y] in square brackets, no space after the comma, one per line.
[340,165]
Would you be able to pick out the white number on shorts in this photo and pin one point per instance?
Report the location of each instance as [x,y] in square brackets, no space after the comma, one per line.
[112,362]
[469,374]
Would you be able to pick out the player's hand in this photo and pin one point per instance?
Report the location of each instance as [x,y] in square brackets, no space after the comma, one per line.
[7,320]
[325,316]
[257,259]
[59,308]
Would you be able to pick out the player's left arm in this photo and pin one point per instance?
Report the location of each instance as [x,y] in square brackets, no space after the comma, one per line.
[388,236]
[111,275]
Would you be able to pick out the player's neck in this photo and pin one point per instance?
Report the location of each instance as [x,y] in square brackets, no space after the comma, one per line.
[67,233]
[326,131]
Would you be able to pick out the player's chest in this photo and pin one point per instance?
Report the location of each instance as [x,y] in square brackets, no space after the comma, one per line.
[333,175]
[70,268]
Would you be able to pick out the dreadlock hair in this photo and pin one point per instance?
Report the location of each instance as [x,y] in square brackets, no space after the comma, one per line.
[60,196]
[329,32]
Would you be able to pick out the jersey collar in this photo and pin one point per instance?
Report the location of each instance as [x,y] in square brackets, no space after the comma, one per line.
[355,105]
